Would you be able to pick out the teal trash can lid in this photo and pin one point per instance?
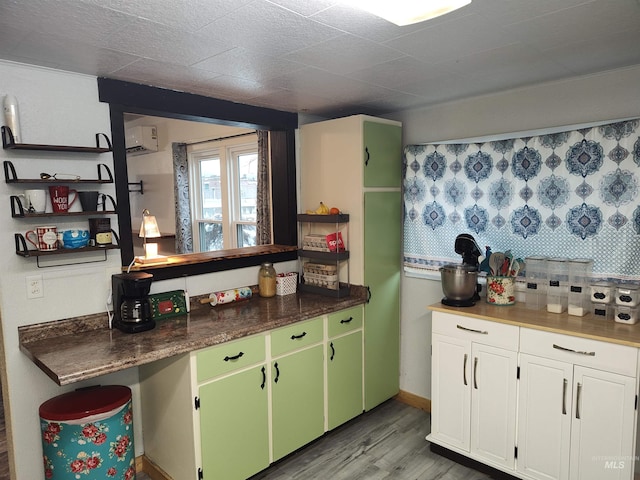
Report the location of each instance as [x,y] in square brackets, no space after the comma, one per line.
[85,402]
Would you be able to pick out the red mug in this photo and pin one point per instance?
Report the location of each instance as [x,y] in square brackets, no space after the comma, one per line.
[60,198]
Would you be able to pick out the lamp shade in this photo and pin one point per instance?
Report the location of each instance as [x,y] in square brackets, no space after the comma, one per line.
[149,226]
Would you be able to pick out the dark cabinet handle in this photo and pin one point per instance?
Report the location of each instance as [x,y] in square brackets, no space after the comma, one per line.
[464,369]
[565,349]
[333,351]
[235,357]
[366,162]
[296,337]
[275,365]
[368,294]
[264,378]
[475,372]
[346,320]
[625,298]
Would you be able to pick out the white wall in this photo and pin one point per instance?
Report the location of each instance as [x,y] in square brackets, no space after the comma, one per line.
[62,108]
[606,96]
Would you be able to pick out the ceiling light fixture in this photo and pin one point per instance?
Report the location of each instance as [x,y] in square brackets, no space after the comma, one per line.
[407,12]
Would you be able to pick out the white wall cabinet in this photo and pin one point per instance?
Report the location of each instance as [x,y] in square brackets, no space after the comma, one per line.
[576,400]
[474,387]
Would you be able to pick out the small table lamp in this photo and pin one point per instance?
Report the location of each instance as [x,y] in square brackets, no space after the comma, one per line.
[149,229]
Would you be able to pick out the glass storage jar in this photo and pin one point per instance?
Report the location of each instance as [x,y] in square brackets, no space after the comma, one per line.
[267,280]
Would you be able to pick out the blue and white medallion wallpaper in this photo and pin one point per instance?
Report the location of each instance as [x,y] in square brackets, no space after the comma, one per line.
[569,194]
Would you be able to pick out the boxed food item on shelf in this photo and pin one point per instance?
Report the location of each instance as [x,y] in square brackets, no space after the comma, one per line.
[320,275]
[323,243]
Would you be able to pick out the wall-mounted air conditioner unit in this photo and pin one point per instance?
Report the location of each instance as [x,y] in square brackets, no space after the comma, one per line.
[141,139]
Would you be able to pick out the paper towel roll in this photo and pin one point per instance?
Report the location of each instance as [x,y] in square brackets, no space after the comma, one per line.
[228,296]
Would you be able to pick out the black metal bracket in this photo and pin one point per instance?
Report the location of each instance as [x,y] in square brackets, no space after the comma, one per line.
[139,184]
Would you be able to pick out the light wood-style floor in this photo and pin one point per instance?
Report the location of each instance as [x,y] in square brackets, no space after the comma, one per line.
[387,443]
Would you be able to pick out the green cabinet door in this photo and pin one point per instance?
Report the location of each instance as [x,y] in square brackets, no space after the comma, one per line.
[382,236]
[382,155]
[234,426]
[297,398]
[344,378]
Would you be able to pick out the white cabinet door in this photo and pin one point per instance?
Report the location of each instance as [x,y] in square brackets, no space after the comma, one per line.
[450,392]
[544,417]
[493,404]
[603,423]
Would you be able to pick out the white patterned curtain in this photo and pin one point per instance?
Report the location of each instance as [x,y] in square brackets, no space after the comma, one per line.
[568,194]
[263,201]
[184,236]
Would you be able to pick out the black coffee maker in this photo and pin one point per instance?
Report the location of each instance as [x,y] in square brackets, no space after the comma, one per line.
[131,305]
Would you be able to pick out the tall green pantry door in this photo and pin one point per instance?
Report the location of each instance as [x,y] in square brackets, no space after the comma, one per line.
[382,259]
[382,220]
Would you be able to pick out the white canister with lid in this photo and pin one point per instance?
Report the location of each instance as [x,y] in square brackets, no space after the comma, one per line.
[628,315]
[602,292]
[628,295]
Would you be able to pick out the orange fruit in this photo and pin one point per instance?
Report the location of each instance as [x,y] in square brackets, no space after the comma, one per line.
[334,211]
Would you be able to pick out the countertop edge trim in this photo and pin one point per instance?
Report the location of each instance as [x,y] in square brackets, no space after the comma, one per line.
[467,312]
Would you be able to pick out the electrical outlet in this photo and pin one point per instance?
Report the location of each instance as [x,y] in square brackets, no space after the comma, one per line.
[34,286]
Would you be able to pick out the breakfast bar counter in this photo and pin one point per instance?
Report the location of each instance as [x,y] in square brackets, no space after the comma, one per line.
[587,326]
[81,348]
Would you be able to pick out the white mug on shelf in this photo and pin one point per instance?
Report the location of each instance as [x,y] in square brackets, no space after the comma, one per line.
[36,200]
[33,201]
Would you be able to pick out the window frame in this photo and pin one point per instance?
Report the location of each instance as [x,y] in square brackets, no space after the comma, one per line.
[227,152]
[125,97]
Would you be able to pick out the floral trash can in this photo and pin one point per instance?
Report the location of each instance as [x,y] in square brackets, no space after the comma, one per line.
[88,434]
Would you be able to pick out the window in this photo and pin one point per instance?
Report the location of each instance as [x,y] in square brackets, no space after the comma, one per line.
[223,190]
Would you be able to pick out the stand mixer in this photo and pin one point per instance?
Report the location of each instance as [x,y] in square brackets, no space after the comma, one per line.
[460,281]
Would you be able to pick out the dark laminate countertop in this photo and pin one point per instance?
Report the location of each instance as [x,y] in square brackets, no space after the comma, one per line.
[81,348]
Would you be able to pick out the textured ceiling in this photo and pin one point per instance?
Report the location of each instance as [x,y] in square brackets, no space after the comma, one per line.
[318,56]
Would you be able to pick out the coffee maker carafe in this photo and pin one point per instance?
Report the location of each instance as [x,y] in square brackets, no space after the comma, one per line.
[131,305]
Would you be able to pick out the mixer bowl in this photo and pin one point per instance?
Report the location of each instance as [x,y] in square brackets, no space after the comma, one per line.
[459,282]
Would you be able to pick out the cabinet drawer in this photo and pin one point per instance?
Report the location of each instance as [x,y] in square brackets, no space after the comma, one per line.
[580,351]
[230,356]
[344,321]
[476,330]
[296,336]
